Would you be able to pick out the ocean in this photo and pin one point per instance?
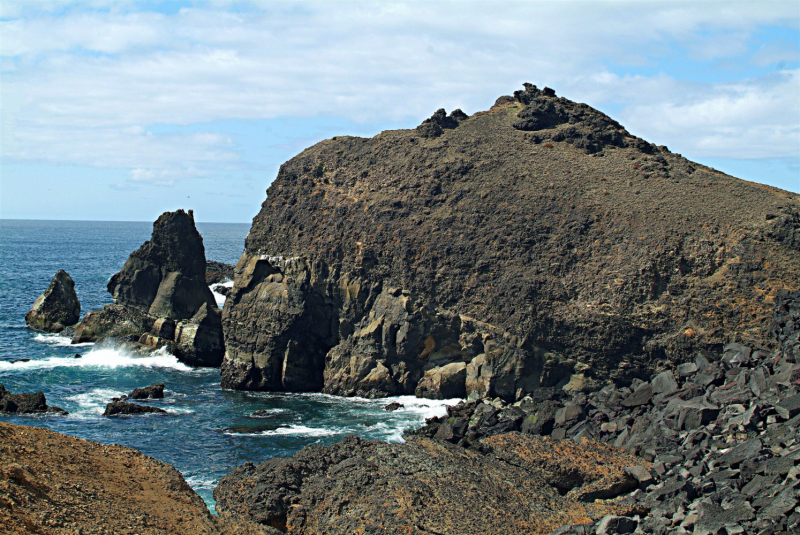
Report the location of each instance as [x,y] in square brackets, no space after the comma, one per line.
[207,431]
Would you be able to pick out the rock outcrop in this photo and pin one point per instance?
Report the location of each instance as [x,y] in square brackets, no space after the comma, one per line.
[514,484]
[538,243]
[155,391]
[125,408]
[57,308]
[218,272]
[34,403]
[161,297]
[52,484]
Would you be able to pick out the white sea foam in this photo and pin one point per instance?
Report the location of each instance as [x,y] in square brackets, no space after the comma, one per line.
[106,357]
[59,340]
[427,408]
[93,402]
[293,430]
[219,297]
[197,482]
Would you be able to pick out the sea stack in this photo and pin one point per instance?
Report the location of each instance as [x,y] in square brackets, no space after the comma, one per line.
[57,308]
[536,244]
[161,297]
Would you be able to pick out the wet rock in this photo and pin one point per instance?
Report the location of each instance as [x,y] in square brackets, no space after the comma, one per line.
[393,406]
[199,341]
[113,322]
[124,408]
[57,308]
[15,361]
[26,403]
[217,272]
[155,391]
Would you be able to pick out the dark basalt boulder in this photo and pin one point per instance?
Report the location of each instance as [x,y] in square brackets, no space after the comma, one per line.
[514,484]
[124,408]
[166,276]
[57,308]
[161,298]
[155,391]
[218,272]
[538,244]
[26,403]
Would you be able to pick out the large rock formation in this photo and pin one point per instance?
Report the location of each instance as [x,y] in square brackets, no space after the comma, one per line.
[538,244]
[24,403]
[514,484]
[161,297]
[52,484]
[57,308]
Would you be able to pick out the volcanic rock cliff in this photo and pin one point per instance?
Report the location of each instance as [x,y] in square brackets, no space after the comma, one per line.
[535,244]
[161,297]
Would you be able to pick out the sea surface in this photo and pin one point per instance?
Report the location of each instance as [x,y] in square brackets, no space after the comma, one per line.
[207,431]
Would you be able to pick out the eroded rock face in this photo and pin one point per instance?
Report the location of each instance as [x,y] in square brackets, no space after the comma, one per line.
[57,308]
[514,484]
[165,277]
[161,297]
[537,243]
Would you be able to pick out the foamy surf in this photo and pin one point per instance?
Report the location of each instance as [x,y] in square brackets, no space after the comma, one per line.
[58,340]
[106,357]
[219,297]
[291,430]
[93,402]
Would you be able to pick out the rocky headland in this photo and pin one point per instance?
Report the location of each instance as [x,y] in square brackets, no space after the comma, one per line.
[57,308]
[161,297]
[537,244]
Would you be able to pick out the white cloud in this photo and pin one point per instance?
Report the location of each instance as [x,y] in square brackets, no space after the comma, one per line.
[84,87]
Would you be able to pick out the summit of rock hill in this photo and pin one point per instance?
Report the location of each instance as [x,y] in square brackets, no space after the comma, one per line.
[534,244]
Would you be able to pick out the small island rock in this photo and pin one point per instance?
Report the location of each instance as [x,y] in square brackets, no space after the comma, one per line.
[57,308]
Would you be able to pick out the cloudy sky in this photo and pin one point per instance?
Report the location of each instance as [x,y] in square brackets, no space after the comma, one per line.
[121,110]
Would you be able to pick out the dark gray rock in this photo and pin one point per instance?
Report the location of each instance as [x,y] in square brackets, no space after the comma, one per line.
[57,308]
[641,396]
[155,391]
[26,403]
[123,408]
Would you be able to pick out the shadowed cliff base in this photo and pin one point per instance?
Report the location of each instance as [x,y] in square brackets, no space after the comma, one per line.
[536,244]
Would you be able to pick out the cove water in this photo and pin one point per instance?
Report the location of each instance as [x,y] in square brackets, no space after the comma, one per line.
[207,431]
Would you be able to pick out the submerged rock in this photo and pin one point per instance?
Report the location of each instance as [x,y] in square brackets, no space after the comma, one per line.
[26,403]
[57,308]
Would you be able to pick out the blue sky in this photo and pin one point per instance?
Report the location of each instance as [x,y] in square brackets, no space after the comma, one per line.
[122,110]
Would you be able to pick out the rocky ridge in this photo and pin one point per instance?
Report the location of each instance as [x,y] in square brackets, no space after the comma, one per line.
[161,297]
[534,245]
[57,308]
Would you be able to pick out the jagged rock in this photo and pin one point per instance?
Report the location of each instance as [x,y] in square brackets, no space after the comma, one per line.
[120,408]
[218,272]
[165,277]
[155,391]
[393,406]
[57,308]
[515,484]
[546,263]
[26,403]
[161,297]
[444,382]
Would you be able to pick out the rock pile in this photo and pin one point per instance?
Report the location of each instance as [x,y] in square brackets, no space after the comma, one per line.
[720,430]
[57,308]
[161,297]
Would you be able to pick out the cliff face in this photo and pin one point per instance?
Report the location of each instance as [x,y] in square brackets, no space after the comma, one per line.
[534,244]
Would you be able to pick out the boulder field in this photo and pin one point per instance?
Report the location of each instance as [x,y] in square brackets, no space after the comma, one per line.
[537,244]
[161,297]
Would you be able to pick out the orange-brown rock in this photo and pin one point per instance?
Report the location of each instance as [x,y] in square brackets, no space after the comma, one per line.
[54,484]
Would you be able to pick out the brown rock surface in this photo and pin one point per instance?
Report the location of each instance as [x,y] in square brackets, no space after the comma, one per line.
[55,484]
[533,242]
[514,484]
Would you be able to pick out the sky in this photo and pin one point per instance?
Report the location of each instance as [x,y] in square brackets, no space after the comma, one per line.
[122,110]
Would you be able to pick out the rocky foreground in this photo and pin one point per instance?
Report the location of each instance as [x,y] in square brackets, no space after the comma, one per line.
[55,484]
[532,245]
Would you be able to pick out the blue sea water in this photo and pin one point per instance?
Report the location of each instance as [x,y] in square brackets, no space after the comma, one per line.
[195,436]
